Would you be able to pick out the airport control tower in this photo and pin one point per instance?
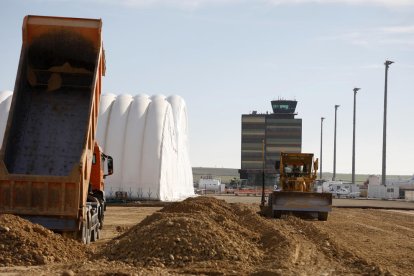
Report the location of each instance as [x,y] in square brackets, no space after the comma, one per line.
[264,136]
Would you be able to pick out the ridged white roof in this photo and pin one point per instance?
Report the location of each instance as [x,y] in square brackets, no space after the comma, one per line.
[148,140]
[5,101]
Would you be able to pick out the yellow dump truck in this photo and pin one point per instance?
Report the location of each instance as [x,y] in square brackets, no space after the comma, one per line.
[296,193]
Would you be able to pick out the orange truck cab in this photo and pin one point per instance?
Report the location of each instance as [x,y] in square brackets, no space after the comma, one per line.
[97,184]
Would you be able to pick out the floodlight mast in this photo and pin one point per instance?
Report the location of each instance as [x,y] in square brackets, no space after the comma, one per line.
[353,137]
[334,161]
[384,129]
[320,157]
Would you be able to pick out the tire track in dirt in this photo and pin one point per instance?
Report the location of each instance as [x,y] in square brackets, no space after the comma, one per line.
[373,236]
[306,251]
[330,255]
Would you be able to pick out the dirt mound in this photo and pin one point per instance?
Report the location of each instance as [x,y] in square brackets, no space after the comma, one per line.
[206,205]
[25,243]
[198,229]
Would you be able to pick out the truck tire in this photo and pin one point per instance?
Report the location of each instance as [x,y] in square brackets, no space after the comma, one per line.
[98,232]
[86,229]
[88,240]
[277,214]
[86,233]
[88,237]
[94,234]
[101,215]
[323,216]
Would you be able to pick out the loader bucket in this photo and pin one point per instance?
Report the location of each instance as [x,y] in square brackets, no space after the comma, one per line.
[320,203]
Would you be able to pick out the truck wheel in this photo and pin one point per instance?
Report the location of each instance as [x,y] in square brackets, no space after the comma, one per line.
[86,233]
[277,214]
[98,233]
[86,230]
[94,234]
[323,216]
[101,215]
[88,237]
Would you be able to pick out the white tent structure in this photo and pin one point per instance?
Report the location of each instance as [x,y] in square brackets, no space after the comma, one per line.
[148,140]
[5,102]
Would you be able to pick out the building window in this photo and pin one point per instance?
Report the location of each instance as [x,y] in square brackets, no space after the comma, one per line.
[281,106]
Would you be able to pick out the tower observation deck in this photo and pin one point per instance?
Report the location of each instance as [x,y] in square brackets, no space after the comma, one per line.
[284,109]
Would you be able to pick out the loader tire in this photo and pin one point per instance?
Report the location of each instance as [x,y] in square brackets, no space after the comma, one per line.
[323,216]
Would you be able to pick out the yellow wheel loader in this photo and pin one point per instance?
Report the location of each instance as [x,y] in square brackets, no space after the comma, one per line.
[297,193]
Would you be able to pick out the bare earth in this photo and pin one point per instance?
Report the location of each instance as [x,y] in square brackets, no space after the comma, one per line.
[336,202]
[352,242]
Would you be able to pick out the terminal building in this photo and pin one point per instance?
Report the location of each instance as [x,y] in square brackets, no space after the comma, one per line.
[264,136]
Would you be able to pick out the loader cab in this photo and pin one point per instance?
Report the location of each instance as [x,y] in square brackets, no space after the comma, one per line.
[293,169]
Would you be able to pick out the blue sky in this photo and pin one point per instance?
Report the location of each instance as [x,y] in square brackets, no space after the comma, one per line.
[229,57]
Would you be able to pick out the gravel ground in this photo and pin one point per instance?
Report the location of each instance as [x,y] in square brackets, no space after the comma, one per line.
[337,202]
[210,236]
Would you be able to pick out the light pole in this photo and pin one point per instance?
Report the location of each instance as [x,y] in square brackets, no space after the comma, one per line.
[353,138]
[320,156]
[384,129]
[263,202]
[334,161]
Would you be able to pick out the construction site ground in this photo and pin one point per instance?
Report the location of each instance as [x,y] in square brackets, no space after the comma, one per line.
[336,202]
[212,237]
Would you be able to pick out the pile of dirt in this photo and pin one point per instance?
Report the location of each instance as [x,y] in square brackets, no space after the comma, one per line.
[25,243]
[198,229]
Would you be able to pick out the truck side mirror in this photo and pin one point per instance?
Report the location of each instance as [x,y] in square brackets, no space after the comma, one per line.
[110,166]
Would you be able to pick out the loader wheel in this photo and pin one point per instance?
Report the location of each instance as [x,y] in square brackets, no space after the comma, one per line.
[277,214]
[323,216]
